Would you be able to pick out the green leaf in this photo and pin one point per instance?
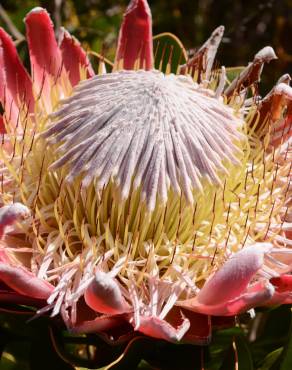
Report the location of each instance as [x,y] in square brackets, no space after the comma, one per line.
[97,58]
[132,354]
[233,72]
[148,353]
[169,356]
[15,357]
[144,366]
[43,355]
[238,352]
[270,359]
[7,362]
[272,333]
[221,353]
[169,52]
[286,356]
[4,339]
[245,361]
[13,338]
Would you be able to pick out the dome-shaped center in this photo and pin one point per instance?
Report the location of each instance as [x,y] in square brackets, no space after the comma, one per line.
[144,128]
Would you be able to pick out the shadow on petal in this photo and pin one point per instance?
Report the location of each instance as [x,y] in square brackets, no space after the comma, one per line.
[200,328]
[161,329]
[74,57]
[25,282]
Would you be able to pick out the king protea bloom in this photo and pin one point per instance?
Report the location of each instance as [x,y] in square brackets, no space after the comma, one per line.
[155,198]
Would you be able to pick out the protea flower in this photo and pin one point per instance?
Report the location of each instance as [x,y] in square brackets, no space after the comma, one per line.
[154,199]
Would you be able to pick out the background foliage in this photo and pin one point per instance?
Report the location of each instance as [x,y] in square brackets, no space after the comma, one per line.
[259,344]
[249,25]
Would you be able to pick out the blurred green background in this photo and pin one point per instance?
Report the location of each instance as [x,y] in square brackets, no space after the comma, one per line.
[249,26]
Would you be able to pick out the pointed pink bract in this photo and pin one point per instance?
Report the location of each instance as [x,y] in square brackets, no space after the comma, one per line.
[15,83]
[135,38]
[234,276]
[24,282]
[2,126]
[18,278]
[74,57]
[8,295]
[45,55]
[230,291]
[259,295]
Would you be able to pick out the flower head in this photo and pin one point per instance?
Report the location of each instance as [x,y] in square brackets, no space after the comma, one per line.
[151,198]
[143,127]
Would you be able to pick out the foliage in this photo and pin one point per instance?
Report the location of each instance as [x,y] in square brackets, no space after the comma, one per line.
[264,343]
[249,25]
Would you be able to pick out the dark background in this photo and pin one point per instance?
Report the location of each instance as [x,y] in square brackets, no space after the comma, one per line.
[249,26]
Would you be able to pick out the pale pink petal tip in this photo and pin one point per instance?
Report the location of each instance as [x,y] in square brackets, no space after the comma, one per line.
[204,58]
[12,213]
[35,10]
[267,54]
[252,73]
[104,295]
[45,56]
[284,90]
[230,292]
[234,276]
[135,47]
[74,57]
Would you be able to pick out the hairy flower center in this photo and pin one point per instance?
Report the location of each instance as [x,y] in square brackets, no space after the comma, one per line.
[159,131]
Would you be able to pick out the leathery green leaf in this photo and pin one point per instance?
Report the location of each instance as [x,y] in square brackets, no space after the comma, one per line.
[232,73]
